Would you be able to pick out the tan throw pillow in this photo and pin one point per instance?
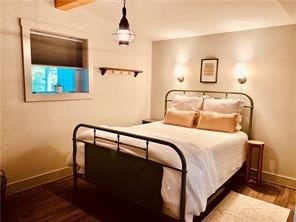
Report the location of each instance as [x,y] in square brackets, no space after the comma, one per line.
[187,103]
[217,121]
[181,118]
[223,105]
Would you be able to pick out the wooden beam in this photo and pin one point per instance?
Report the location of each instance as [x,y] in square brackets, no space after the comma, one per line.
[69,4]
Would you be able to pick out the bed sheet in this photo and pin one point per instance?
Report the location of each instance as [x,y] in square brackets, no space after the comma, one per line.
[212,158]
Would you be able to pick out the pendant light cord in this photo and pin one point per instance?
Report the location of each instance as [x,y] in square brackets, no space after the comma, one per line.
[124,9]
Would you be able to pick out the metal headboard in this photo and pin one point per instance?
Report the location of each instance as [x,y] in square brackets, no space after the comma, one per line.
[219,94]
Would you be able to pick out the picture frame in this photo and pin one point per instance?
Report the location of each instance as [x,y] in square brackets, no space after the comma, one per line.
[209,70]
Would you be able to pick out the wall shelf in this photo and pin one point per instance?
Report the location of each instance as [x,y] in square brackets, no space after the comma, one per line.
[128,71]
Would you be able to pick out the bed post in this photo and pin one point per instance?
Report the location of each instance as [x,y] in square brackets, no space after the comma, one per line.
[75,175]
[183,197]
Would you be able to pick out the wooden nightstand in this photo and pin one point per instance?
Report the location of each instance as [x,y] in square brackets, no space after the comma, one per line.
[254,144]
[148,121]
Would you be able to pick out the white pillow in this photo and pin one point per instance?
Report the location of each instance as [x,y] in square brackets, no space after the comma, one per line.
[227,106]
[187,103]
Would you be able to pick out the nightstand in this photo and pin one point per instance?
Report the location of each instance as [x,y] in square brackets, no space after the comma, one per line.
[259,145]
[144,121]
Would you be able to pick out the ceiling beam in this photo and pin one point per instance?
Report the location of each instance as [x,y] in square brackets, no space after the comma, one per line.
[69,4]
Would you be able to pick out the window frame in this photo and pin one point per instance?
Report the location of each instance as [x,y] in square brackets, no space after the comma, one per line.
[30,25]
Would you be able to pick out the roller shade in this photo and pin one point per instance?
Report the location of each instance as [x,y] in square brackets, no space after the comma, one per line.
[55,50]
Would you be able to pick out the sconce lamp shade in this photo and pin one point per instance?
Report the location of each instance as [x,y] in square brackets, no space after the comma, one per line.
[241,72]
[179,73]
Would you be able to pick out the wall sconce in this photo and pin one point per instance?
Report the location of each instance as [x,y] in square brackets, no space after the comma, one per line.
[179,73]
[241,72]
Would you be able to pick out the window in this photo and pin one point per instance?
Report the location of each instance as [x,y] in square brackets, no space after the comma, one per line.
[46,78]
[56,66]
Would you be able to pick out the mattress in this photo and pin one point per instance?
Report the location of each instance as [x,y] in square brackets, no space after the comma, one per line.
[212,158]
[228,149]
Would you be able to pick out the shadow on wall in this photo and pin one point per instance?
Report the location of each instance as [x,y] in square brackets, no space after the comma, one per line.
[271,161]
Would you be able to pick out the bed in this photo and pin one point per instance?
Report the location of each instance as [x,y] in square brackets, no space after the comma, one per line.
[171,170]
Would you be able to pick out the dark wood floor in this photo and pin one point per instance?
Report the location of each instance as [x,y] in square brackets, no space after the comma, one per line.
[57,202]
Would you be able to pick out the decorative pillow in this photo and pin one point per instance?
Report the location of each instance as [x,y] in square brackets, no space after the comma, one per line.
[217,121]
[187,103]
[181,118]
[223,105]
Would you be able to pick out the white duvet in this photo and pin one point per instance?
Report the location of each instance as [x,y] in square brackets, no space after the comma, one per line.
[207,155]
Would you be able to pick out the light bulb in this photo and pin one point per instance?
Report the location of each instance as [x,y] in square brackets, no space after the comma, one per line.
[241,72]
[179,73]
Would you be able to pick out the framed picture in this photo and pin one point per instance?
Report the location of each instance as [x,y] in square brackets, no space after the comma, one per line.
[209,70]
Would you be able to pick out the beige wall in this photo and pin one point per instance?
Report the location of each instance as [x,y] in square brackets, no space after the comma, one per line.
[36,137]
[270,55]
[1,101]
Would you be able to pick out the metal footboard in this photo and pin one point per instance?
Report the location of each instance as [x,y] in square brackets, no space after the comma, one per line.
[148,140]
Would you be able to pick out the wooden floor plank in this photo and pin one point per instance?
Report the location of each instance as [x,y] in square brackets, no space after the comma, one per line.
[56,201]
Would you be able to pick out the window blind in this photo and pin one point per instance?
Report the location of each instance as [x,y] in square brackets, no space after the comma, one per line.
[47,49]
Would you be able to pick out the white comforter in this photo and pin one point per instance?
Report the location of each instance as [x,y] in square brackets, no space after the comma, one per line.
[197,147]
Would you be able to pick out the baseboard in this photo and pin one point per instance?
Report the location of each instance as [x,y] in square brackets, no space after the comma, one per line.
[277,179]
[38,180]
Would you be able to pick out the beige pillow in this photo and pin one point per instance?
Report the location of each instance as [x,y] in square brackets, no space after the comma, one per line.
[223,105]
[181,118]
[217,121]
[187,103]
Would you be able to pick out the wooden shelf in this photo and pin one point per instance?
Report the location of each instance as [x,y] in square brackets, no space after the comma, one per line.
[105,69]
[144,121]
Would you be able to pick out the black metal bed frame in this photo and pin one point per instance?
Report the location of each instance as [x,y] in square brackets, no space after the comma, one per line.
[122,173]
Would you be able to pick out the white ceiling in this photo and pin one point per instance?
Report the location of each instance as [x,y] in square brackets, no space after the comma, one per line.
[168,19]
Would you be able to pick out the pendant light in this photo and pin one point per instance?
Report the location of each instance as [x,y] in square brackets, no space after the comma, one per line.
[124,35]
